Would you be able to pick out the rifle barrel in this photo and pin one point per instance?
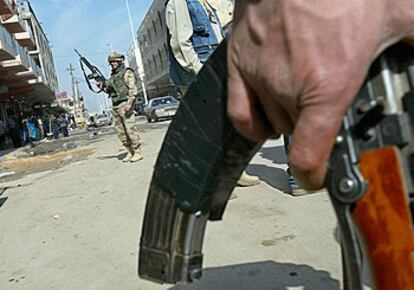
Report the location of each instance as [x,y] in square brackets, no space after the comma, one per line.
[77,52]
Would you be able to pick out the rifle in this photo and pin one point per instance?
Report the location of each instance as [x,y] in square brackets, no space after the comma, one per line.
[191,184]
[95,73]
[370,177]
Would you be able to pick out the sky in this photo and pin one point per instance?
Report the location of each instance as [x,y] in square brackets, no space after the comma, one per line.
[92,27]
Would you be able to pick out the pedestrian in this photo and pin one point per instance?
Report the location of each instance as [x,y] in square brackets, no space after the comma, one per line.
[121,88]
[194,32]
[63,126]
[304,62]
[73,121]
[45,124]
[54,126]
[32,130]
[14,131]
[24,129]
[3,134]
[41,128]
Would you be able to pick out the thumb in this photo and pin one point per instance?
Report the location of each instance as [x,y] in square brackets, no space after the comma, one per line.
[313,139]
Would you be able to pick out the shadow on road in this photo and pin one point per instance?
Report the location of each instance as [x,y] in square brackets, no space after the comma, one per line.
[3,201]
[275,154]
[275,177]
[263,275]
[118,156]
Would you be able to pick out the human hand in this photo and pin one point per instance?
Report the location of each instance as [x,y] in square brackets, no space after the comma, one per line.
[127,107]
[303,62]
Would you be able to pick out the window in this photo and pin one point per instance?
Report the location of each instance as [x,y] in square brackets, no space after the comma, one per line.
[169,100]
[155,63]
[149,35]
[160,19]
[161,61]
[166,50]
[148,68]
[155,28]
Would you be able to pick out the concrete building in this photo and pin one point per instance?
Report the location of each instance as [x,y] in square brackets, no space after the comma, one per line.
[28,78]
[152,38]
[66,102]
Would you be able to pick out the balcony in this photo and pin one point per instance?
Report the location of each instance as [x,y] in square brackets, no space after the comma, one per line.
[13,23]
[19,64]
[26,38]
[7,7]
[7,45]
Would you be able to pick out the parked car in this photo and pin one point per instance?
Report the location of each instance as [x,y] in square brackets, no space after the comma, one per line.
[102,120]
[161,108]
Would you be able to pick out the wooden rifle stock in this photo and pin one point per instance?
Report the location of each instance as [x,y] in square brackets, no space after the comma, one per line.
[383,217]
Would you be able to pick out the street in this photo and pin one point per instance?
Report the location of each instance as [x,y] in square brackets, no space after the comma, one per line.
[77,225]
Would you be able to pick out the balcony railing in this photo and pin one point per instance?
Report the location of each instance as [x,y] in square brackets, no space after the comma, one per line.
[15,58]
[8,46]
[36,69]
[26,39]
[13,23]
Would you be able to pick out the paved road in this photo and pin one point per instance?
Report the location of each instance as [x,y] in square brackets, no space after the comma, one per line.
[77,227]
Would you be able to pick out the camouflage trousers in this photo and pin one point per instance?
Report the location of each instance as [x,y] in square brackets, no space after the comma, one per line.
[125,127]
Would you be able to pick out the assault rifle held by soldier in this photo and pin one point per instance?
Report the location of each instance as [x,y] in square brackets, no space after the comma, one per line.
[369,181]
[95,73]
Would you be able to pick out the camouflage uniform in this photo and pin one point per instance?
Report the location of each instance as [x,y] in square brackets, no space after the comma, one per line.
[122,89]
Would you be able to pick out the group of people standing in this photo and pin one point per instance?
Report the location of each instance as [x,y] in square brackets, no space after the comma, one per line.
[17,131]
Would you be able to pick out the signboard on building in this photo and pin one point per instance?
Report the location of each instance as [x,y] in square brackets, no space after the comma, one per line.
[61,95]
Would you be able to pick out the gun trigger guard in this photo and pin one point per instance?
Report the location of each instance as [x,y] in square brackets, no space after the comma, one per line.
[346,183]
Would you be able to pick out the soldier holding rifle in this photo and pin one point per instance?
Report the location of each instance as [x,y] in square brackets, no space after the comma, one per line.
[121,88]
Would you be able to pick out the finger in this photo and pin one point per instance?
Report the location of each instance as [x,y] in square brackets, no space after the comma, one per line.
[243,109]
[313,139]
[277,117]
[410,40]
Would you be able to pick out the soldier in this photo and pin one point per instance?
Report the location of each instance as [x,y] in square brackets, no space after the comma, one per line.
[194,32]
[121,88]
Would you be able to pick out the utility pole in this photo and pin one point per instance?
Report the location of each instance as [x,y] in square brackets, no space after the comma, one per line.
[137,53]
[75,89]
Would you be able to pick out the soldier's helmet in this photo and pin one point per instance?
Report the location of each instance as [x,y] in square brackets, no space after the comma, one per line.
[116,56]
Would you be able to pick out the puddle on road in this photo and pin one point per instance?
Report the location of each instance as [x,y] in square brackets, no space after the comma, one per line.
[50,155]
[40,163]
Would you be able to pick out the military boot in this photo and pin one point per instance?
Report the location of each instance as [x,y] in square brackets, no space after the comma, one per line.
[137,156]
[129,155]
[247,180]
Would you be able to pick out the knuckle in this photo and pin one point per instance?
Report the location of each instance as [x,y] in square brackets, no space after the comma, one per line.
[304,160]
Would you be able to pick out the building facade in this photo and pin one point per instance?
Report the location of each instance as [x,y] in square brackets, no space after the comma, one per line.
[66,102]
[28,79]
[152,38]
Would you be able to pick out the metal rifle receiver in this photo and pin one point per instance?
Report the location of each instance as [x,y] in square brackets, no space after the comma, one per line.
[95,73]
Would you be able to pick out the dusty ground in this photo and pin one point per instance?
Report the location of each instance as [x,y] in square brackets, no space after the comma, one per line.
[24,166]
[77,227]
